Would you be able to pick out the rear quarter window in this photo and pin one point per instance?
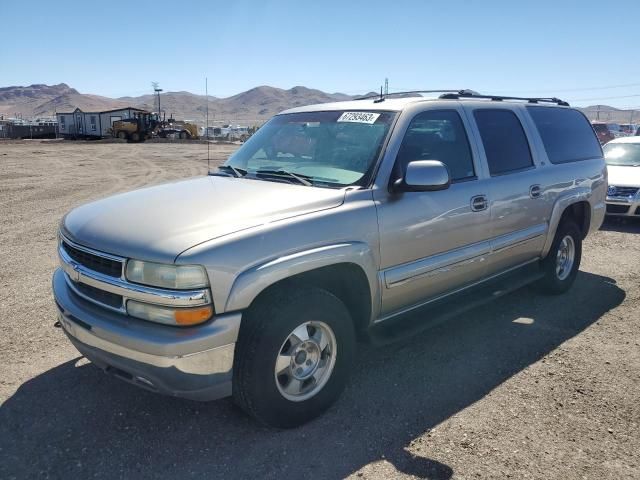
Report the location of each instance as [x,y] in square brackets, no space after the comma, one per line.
[567,134]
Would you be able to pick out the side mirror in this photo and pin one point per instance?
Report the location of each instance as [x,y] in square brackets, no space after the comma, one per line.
[423,176]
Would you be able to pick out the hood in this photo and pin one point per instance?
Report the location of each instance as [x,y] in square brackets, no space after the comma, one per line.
[624,176]
[160,222]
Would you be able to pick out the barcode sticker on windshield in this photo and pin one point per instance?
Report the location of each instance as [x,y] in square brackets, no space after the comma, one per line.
[358,117]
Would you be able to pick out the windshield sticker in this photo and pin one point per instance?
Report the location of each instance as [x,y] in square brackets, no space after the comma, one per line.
[359,117]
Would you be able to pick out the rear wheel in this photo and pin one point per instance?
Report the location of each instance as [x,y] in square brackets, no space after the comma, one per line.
[293,356]
[135,137]
[122,135]
[563,261]
[184,135]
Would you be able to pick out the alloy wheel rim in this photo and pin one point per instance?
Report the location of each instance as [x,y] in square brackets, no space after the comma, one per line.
[305,361]
[565,257]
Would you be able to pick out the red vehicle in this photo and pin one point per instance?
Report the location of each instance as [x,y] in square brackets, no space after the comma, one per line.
[602,131]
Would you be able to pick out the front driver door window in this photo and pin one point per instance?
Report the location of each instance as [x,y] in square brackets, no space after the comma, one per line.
[438,135]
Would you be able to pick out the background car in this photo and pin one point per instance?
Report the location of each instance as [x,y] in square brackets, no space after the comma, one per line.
[629,128]
[622,156]
[602,131]
[615,129]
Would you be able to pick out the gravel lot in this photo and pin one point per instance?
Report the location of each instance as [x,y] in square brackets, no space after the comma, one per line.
[526,387]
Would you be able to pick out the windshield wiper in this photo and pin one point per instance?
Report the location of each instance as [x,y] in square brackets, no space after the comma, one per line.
[305,180]
[235,171]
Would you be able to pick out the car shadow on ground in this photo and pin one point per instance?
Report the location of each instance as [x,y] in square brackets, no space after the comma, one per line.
[621,224]
[74,421]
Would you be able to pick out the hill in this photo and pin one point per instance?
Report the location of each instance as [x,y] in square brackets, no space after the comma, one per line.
[605,113]
[251,107]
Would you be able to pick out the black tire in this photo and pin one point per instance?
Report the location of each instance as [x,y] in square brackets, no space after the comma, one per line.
[264,329]
[552,283]
[184,135]
[122,135]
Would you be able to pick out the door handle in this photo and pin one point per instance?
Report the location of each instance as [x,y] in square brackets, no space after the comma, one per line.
[535,191]
[479,203]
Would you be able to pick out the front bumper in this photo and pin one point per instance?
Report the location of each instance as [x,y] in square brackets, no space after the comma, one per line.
[622,208]
[194,362]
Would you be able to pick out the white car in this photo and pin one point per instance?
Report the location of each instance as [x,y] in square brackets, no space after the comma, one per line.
[623,164]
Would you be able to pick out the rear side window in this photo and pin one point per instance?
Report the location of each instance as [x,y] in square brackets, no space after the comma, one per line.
[567,135]
[504,140]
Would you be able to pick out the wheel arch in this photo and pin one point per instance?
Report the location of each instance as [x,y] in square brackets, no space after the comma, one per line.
[346,270]
[575,207]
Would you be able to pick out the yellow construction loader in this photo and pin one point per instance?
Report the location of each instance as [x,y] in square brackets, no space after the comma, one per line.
[136,129]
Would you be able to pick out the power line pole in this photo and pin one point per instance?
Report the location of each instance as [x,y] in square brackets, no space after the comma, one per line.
[206,92]
[157,90]
[386,87]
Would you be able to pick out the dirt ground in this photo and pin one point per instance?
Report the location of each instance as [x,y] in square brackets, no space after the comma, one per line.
[526,387]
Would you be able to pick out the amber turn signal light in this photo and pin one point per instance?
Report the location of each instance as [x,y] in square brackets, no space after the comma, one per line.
[193,316]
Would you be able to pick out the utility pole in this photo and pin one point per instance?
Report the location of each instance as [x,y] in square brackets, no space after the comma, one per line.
[157,90]
[206,90]
[386,87]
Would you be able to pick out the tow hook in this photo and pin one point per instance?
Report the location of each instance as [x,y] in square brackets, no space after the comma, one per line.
[57,324]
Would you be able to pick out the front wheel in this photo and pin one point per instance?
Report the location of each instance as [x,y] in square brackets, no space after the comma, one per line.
[293,356]
[563,261]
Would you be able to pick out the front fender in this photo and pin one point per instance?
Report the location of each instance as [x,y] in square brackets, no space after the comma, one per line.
[250,283]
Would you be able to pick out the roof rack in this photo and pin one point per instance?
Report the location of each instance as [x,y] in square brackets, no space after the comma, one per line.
[466,93]
[499,98]
[381,96]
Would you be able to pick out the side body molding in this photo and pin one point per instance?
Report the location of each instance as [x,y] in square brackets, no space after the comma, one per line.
[580,194]
[251,282]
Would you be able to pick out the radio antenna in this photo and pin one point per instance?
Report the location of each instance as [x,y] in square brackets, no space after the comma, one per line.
[206,92]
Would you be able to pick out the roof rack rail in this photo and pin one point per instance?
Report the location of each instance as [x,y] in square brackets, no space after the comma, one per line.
[499,98]
[382,96]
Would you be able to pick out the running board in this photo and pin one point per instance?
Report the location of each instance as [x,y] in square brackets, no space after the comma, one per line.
[408,324]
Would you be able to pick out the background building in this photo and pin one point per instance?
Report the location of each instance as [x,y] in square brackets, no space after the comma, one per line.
[91,124]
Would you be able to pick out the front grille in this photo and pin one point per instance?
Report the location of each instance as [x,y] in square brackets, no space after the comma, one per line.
[103,265]
[611,208]
[615,191]
[100,296]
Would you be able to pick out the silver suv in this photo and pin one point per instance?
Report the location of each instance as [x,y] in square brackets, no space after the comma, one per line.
[327,226]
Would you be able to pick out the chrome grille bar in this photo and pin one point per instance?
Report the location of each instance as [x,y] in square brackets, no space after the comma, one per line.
[78,273]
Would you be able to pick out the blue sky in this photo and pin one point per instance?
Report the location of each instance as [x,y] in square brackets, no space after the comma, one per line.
[586,51]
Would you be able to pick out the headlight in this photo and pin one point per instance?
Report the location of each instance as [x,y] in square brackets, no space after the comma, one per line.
[168,315]
[179,277]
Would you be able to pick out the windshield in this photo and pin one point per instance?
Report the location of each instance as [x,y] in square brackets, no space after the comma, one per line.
[622,154]
[327,149]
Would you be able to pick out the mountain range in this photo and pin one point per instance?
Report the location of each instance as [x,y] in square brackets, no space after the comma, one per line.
[252,107]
